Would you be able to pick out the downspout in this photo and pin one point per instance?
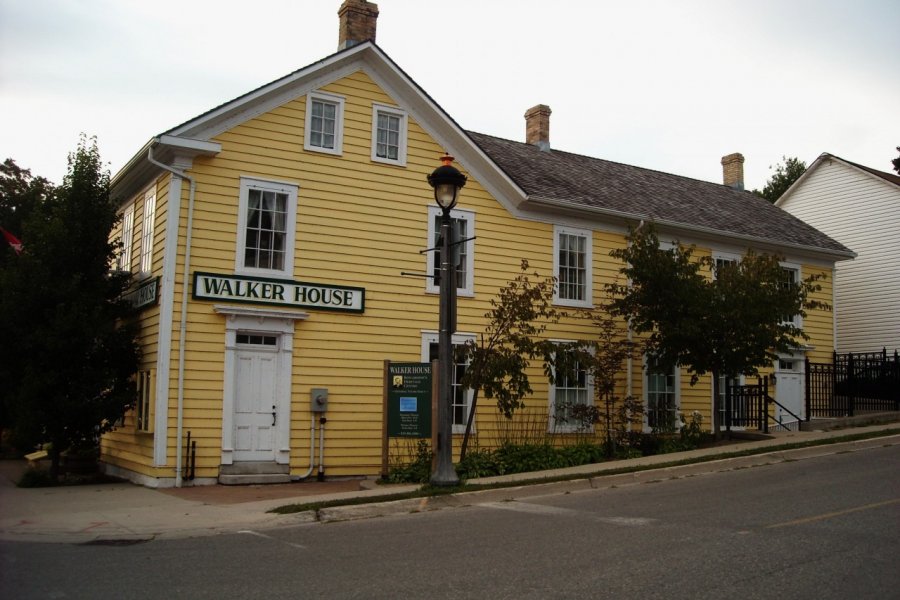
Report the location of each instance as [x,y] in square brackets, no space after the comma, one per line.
[312,450]
[184,301]
[629,363]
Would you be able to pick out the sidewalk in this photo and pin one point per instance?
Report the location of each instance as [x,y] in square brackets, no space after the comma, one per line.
[124,512]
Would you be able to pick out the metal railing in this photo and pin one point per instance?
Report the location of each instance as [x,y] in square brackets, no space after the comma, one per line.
[852,383]
[748,405]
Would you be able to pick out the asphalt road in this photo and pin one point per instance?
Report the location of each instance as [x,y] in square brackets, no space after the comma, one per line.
[824,528]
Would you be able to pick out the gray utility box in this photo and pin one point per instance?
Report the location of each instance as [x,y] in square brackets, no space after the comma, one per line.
[318,400]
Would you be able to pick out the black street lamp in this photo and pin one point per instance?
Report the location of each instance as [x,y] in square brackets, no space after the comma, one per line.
[446,181]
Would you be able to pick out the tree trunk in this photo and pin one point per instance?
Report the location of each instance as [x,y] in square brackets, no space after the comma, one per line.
[469,421]
[717,406]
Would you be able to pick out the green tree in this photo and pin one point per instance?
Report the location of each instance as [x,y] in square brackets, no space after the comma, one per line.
[784,176]
[730,322]
[499,359]
[64,318]
[603,358]
[20,195]
[896,162]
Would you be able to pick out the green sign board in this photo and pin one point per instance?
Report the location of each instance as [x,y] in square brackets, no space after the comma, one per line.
[409,400]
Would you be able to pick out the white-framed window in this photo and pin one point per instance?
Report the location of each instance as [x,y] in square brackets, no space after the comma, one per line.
[147,226]
[146,384]
[722,259]
[571,389]
[266,226]
[462,397]
[463,223]
[324,123]
[791,272]
[123,261]
[388,134]
[572,266]
[661,396]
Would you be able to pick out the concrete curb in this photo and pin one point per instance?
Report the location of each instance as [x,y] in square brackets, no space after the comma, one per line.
[596,480]
[122,514]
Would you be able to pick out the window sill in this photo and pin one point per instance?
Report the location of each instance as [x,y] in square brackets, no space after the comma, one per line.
[388,161]
[459,293]
[573,303]
[321,150]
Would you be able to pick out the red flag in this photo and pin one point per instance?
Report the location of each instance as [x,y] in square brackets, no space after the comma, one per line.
[12,240]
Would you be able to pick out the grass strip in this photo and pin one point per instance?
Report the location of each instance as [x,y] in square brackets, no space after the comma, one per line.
[428,490]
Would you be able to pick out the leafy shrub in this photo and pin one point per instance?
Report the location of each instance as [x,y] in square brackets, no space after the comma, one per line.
[511,458]
[36,477]
[417,470]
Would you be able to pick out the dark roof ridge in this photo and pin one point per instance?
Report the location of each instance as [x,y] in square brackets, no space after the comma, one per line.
[606,160]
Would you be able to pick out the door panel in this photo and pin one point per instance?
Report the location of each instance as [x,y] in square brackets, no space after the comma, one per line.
[255,402]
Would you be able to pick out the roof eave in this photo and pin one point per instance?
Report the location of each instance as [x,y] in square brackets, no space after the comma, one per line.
[139,170]
[694,229]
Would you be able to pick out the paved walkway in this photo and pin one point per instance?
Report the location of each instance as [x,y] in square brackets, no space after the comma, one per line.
[119,512]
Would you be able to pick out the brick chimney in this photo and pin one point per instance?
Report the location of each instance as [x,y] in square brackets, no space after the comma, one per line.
[537,126]
[357,19]
[733,170]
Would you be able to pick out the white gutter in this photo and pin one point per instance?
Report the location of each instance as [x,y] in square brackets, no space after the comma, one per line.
[694,229]
[184,301]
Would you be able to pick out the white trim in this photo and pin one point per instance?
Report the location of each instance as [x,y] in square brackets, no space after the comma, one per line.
[692,229]
[191,145]
[587,234]
[338,103]
[798,357]
[552,426]
[798,268]
[148,231]
[265,322]
[676,372]
[431,337]
[166,321]
[402,134]
[434,212]
[729,256]
[127,239]
[290,189]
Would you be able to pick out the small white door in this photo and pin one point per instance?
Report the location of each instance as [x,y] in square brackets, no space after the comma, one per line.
[255,403]
[789,390]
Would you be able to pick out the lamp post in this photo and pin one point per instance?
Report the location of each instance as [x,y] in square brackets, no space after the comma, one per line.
[446,181]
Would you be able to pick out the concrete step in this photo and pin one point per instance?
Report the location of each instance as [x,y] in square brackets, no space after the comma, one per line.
[254,468]
[254,473]
[254,479]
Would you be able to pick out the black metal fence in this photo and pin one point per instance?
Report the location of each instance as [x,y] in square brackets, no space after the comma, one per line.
[853,383]
[746,405]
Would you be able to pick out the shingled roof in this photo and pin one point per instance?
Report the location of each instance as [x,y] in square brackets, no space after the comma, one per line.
[593,183]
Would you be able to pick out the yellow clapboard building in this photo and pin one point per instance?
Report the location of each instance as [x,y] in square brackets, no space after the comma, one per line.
[267,238]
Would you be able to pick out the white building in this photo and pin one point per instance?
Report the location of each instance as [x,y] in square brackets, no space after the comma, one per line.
[860,208]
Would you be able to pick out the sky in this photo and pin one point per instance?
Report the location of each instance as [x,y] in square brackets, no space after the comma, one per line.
[667,85]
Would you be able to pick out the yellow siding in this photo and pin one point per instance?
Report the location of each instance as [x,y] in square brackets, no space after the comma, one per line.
[358,223]
[125,446]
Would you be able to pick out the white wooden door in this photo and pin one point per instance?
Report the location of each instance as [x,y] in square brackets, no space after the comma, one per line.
[255,412]
[789,390]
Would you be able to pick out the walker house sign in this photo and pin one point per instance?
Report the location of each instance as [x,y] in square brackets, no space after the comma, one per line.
[253,290]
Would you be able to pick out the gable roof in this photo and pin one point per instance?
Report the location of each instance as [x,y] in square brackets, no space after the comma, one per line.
[520,176]
[560,178]
[888,179]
